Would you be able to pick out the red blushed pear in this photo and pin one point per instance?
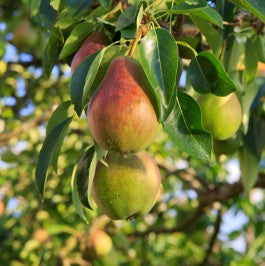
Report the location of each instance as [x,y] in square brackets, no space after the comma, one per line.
[128,187]
[93,43]
[120,115]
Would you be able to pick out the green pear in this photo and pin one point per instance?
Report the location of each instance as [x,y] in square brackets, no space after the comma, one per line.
[221,116]
[120,115]
[128,187]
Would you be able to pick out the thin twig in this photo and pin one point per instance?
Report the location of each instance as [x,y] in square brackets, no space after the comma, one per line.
[135,41]
[217,226]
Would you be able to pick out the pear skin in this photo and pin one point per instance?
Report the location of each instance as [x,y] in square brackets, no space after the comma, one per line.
[221,116]
[120,115]
[128,187]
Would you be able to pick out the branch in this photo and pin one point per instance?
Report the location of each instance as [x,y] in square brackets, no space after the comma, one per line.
[221,193]
[217,226]
[5,137]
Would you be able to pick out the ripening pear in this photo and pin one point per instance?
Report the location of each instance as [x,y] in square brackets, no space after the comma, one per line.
[25,35]
[221,116]
[120,115]
[99,244]
[128,187]
[93,43]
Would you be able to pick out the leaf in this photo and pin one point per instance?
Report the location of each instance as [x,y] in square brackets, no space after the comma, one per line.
[85,81]
[82,177]
[256,7]
[78,81]
[75,198]
[47,151]
[104,3]
[35,7]
[58,116]
[207,74]
[251,60]
[260,47]
[185,130]
[126,18]
[185,50]
[47,13]
[209,14]
[234,51]
[159,58]
[75,6]
[52,51]
[212,36]
[254,144]
[186,8]
[76,38]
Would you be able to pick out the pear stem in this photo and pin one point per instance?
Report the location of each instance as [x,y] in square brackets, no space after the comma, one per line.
[135,41]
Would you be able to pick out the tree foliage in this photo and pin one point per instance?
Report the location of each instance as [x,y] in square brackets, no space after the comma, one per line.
[48,157]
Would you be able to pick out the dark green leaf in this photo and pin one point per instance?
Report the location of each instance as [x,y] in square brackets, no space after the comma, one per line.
[185,130]
[47,151]
[82,176]
[212,36]
[251,60]
[78,81]
[206,74]
[260,47]
[77,36]
[47,13]
[75,6]
[185,50]
[127,18]
[159,57]
[210,15]
[58,116]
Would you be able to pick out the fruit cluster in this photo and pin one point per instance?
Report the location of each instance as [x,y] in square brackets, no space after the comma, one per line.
[122,120]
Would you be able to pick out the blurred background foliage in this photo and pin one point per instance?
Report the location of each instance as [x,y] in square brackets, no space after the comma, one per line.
[181,229]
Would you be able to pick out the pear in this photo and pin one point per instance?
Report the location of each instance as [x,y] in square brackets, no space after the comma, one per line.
[99,244]
[93,43]
[221,116]
[120,115]
[128,187]
[25,36]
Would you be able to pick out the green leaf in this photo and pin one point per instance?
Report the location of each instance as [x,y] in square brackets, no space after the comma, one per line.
[207,75]
[185,130]
[256,7]
[47,13]
[35,4]
[212,36]
[82,177]
[159,58]
[254,144]
[76,38]
[47,151]
[234,51]
[75,198]
[78,81]
[209,14]
[127,17]
[188,6]
[85,81]
[185,50]
[52,51]
[129,32]
[58,116]
[75,6]
[260,47]
[251,60]
[104,3]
